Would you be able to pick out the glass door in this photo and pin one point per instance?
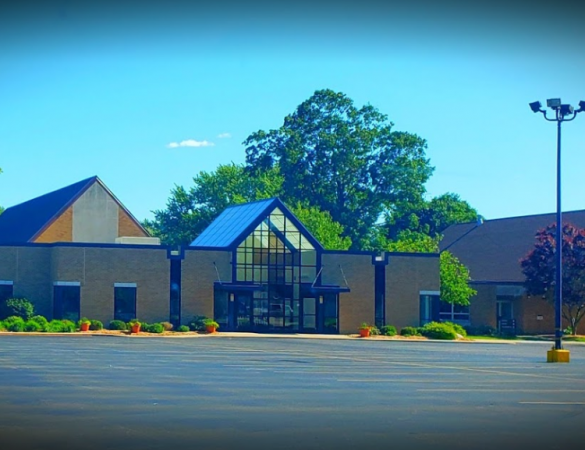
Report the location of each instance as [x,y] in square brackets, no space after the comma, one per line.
[310,314]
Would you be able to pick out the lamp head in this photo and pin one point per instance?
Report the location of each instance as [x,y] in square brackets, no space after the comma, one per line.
[553,103]
[536,106]
[581,106]
[566,110]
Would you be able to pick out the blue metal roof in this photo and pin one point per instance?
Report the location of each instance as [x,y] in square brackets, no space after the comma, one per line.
[235,223]
[21,223]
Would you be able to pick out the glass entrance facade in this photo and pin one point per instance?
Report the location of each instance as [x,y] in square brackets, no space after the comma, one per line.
[276,267]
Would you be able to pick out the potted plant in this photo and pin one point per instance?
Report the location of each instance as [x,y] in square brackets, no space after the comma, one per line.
[134,326]
[365,330]
[210,325]
[84,324]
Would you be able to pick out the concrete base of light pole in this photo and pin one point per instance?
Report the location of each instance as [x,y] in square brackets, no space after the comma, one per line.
[558,356]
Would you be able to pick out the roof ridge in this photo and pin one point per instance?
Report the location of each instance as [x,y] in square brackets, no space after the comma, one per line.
[86,180]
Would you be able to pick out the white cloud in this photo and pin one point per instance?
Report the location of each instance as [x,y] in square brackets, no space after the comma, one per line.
[190,143]
[224,135]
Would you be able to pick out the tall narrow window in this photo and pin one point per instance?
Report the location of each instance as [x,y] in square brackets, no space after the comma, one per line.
[6,290]
[67,300]
[124,301]
[380,295]
[175,293]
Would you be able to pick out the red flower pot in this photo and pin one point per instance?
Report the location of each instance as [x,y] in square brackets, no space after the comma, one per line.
[365,332]
[135,328]
[210,328]
[84,327]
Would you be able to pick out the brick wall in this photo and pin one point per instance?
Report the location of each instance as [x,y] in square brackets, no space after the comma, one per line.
[197,278]
[61,230]
[30,270]
[356,306]
[127,226]
[406,276]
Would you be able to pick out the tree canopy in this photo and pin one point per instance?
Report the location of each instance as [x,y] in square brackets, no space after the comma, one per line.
[454,277]
[342,159]
[539,268]
[431,217]
[190,211]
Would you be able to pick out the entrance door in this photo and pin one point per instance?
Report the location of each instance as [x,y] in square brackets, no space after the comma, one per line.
[241,311]
[321,314]
[505,316]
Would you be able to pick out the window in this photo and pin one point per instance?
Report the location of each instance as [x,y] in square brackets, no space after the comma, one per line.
[175,293]
[454,313]
[66,300]
[6,290]
[125,301]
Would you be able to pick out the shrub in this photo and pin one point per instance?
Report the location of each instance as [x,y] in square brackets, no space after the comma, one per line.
[457,328]
[55,326]
[68,326]
[388,330]
[197,323]
[156,328]
[32,325]
[484,330]
[14,323]
[117,325]
[41,320]
[211,323]
[410,331]
[20,307]
[374,331]
[2,327]
[96,325]
[168,326]
[146,327]
[437,330]
[183,329]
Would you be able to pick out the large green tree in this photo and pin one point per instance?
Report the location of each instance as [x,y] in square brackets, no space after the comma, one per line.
[342,159]
[431,217]
[189,211]
[539,268]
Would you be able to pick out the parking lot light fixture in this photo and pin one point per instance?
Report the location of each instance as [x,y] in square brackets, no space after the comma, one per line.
[562,113]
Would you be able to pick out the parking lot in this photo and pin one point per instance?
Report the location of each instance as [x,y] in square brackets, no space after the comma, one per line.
[264,393]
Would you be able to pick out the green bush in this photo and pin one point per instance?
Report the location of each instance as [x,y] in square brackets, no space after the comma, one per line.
[96,325]
[145,327]
[156,328]
[2,327]
[438,330]
[410,331]
[374,331]
[55,326]
[32,325]
[198,323]
[168,326]
[20,307]
[69,326]
[41,320]
[388,330]
[457,328]
[117,325]
[14,323]
[484,330]
[183,329]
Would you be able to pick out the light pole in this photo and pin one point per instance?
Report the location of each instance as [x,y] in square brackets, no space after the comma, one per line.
[563,113]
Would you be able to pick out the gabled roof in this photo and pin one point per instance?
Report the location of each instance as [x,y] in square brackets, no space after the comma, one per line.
[23,222]
[235,223]
[492,250]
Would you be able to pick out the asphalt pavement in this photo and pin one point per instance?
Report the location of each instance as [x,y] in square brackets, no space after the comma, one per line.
[104,392]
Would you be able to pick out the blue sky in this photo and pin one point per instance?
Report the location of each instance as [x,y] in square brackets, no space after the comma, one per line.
[104,88]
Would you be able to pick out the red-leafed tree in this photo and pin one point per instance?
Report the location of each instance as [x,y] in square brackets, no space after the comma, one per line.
[539,267]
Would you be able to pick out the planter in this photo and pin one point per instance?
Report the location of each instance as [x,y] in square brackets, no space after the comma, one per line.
[84,327]
[210,328]
[364,332]
[135,328]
